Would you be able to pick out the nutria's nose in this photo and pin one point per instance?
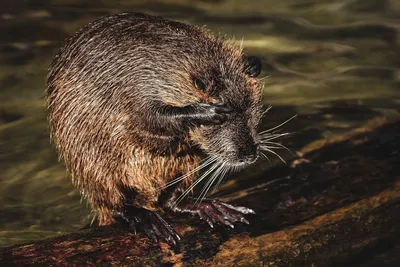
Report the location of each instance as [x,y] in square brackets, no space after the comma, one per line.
[249,154]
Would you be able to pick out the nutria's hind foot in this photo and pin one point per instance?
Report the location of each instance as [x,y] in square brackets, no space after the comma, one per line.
[213,211]
[148,222]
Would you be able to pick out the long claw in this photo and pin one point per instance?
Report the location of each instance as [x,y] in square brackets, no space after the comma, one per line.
[206,218]
[240,209]
[243,220]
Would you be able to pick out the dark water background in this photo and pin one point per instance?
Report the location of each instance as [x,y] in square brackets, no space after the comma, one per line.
[334,63]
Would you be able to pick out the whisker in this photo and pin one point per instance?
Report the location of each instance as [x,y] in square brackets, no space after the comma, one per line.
[265,148]
[283,123]
[274,147]
[265,156]
[266,110]
[208,185]
[207,162]
[279,146]
[208,182]
[224,171]
[263,78]
[204,175]
[272,136]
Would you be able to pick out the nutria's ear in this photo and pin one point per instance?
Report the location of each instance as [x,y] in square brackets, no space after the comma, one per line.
[252,65]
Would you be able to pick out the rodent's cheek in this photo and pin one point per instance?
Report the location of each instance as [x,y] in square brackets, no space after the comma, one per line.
[198,136]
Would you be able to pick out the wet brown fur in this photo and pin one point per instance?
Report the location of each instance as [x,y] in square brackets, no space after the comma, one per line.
[103,90]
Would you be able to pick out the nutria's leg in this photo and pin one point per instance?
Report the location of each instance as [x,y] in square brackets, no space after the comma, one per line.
[210,210]
[196,114]
[148,222]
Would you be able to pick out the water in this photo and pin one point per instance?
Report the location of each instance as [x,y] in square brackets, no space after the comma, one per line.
[334,63]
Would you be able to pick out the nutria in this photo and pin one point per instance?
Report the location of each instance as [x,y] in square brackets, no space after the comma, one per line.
[135,101]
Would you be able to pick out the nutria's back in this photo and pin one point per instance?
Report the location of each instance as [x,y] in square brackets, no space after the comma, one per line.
[133,99]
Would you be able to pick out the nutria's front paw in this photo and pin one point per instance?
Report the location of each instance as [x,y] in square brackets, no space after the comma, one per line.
[213,211]
[212,114]
[148,222]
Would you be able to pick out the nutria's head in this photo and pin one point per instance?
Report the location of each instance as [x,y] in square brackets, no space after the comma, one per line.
[212,70]
[185,65]
[201,68]
[235,143]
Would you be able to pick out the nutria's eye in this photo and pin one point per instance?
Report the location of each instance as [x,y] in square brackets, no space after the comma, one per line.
[252,65]
[199,84]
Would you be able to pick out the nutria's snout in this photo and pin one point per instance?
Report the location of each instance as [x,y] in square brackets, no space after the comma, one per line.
[244,155]
[235,142]
[248,155]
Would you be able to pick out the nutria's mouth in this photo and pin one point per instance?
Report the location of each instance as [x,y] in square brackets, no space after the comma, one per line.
[243,163]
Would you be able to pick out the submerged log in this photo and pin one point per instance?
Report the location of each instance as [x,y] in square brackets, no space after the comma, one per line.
[336,205]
